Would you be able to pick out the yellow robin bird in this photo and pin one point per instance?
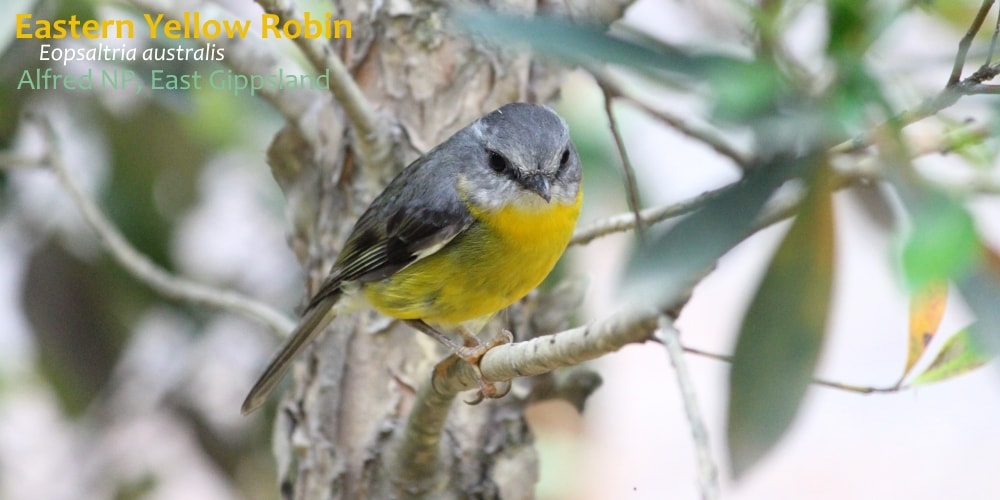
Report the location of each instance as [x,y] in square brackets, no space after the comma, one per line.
[461,233]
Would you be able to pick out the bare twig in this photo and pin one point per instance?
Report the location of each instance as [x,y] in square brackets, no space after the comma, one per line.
[12,161]
[993,43]
[373,144]
[966,42]
[144,269]
[708,472]
[625,222]
[702,134]
[981,88]
[860,389]
[631,186]
[929,107]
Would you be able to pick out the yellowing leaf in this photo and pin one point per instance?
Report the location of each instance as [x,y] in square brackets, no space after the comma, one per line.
[959,355]
[926,311]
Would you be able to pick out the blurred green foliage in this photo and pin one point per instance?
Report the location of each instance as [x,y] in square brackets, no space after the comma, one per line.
[960,354]
[781,335]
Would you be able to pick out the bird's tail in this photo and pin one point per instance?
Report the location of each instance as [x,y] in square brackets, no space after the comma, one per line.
[315,320]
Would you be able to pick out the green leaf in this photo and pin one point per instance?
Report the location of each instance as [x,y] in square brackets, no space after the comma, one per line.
[782,332]
[855,96]
[848,22]
[580,43]
[663,269]
[855,25]
[943,242]
[77,335]
[980,288]
[747,91]
[959,355]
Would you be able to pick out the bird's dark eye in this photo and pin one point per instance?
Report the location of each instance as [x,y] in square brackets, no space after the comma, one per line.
[563,161]
[497,161]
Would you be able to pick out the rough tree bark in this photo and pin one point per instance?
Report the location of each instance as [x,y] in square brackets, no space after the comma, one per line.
[359,382]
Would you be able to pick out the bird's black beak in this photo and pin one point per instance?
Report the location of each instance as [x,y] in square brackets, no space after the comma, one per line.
[539,184]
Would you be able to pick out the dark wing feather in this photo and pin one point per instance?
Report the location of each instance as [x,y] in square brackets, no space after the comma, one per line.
[417,214]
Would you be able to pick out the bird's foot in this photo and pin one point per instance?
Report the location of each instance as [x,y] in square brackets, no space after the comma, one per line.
[472,353]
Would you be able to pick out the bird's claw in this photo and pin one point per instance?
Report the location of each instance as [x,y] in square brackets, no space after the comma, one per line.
[473,355]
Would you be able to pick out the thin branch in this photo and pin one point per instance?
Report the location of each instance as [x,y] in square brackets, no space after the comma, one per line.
[860,389]
[546,353]
[144,269]
[12,161]
[702,134]
[626,221]
[631,186]
[373,145]
[929,107]
[981,89]
[993,43]
[966,42]
[708,471]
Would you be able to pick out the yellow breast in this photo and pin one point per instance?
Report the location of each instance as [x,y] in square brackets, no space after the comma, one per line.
[497,261]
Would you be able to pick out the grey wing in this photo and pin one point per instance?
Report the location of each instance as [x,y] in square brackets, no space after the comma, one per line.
[417,214]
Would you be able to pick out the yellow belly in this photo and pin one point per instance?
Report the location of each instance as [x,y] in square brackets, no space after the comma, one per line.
[496,262]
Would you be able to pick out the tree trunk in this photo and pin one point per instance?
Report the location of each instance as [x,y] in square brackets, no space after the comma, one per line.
[353,390]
